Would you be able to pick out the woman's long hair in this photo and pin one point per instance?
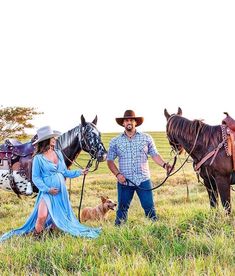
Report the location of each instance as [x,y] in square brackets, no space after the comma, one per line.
[42,146]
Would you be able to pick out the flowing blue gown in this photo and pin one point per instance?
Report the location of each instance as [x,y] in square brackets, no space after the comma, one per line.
[45,175]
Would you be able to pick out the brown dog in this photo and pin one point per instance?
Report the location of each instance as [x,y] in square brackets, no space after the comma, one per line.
[100,211]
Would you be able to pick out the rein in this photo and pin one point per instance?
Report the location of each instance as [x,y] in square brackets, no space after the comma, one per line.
[74,162]
[78,165]
[212,153]
[66,156]
[173,165]
[189,154]
[89,164]
[159,185]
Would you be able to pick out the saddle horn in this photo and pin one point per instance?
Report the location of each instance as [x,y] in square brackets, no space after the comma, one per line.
[229,121]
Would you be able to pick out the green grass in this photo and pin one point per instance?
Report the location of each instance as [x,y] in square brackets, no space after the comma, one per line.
[188,239]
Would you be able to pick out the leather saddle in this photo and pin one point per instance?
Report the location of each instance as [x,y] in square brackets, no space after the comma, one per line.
[230,124]
[19,149]
[19,157]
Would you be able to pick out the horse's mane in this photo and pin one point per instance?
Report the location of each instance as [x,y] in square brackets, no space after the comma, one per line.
[188,130]
[66,139]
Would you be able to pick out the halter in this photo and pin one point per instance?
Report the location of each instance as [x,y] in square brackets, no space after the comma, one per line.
[174,145]
[190,152]
[83,141]
[90,149]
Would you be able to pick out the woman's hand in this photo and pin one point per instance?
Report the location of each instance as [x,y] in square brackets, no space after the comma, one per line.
[85,171]
[53,191]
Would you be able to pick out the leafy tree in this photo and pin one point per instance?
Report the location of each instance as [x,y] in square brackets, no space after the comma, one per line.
[14,121]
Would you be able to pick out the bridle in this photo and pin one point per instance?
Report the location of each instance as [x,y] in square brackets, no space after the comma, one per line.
[175,145]
[85,146]
[85,142]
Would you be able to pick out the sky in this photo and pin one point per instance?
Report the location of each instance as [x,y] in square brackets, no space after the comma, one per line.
[68,58]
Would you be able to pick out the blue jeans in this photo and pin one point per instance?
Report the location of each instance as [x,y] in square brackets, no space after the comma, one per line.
[125,196]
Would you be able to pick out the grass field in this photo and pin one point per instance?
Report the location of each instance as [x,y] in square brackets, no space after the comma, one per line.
[188,239]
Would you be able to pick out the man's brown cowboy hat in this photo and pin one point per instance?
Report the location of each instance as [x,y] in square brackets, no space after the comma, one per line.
[130,114]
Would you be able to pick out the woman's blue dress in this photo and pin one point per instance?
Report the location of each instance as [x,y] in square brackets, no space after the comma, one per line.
[45,175]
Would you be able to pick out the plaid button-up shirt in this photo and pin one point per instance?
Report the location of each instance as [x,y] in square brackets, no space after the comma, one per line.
[133,155]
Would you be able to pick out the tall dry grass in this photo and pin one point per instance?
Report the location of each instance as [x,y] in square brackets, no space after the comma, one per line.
[188,239]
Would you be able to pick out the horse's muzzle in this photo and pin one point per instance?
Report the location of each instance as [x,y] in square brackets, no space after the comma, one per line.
[102,157]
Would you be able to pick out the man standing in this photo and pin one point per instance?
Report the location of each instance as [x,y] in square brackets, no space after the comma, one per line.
[132,149]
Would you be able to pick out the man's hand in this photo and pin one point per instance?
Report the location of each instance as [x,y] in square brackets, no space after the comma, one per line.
[168,168]
[121,179]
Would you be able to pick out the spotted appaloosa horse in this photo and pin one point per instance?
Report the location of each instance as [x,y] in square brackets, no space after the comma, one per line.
[199,139]
[16,159]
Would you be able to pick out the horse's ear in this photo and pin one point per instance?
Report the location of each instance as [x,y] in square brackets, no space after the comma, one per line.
[167,115]
[179,112]
[83,120]
[95,120]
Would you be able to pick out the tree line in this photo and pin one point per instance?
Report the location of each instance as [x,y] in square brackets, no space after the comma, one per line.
[15,121]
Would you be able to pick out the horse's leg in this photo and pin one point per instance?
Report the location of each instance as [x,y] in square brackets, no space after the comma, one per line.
[223,184]
[212,192]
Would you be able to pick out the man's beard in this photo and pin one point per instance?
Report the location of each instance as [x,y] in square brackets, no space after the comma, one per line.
[129,127]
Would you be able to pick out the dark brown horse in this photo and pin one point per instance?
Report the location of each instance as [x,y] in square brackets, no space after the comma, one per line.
[199,139]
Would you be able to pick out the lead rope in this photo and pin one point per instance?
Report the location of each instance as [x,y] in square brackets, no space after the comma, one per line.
[74,162]
[89,164]
[170,172]
[69,189]
[159,185]
[187,186]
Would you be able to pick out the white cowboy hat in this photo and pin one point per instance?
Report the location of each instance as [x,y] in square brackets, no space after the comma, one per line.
[45,133]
